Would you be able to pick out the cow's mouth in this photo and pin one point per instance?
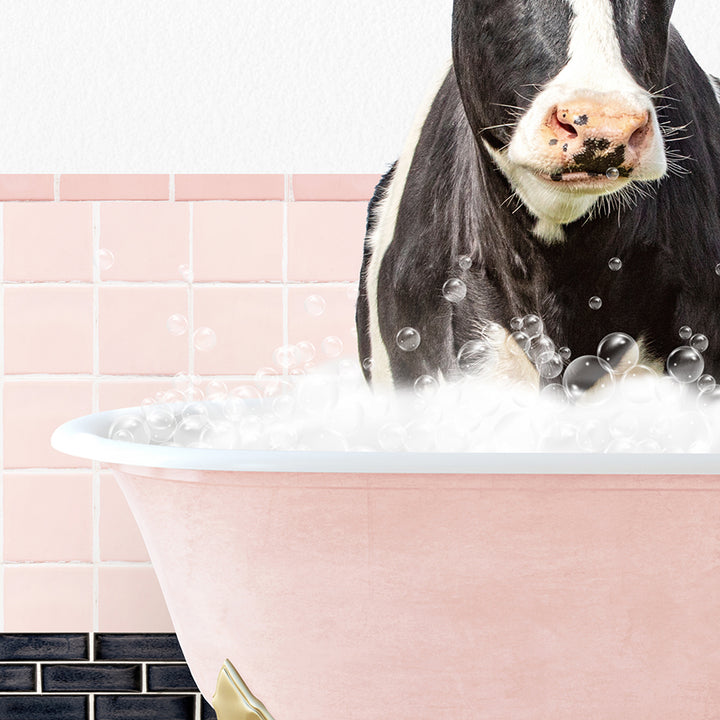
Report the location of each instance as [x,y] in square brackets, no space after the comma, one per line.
[584,179]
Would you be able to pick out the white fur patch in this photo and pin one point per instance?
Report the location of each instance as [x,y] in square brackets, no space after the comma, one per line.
[384,233]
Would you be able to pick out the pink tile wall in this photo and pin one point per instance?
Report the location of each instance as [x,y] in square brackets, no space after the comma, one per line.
[91,267]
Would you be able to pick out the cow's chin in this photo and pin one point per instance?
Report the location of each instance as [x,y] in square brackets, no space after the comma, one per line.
[558,199]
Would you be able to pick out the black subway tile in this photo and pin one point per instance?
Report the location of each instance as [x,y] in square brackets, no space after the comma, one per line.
[43,646]
[144,707]
[206,710]
[17,678]
[137,646]
[91,678]
[34,707]
[170,677]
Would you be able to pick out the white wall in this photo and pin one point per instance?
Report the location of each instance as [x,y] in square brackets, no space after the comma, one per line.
[228,85]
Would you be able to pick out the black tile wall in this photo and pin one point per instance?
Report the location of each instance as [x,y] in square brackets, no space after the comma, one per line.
[44,646]
[108,676]
[169,677]
[17,678]
[154,647]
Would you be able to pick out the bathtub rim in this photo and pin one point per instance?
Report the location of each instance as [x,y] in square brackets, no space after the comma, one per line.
[86,437]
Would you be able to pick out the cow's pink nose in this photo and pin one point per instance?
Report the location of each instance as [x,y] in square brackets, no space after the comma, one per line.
[589,129]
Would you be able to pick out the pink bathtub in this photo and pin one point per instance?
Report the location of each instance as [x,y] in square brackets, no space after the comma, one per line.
[362,586]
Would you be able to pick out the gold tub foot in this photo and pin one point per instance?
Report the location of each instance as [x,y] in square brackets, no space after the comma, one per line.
[233,700]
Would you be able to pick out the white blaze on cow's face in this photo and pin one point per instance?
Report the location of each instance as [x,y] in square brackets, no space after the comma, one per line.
[591,118]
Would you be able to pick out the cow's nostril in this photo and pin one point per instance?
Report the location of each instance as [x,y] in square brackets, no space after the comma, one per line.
[563,130]
[638,137]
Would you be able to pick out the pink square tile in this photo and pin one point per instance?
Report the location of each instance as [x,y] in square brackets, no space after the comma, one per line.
[48,599]
[325,240]
[134,338]
[337,319]
[32,411]
[131,601]
[334,186]
[120,538]
[48,329]
[149,240]
[114,394]
[48,517]
[238,241]
[48,241]
[27,187]
[114,187]
[247,323]
[229,187]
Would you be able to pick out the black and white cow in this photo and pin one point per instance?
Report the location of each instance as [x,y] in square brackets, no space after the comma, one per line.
[565,133]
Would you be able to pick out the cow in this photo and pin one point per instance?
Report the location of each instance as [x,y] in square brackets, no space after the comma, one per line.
[565,167]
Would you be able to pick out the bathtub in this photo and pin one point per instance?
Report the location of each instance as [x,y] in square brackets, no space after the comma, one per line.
[360,586]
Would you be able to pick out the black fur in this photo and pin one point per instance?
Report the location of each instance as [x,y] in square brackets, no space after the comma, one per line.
[454,205]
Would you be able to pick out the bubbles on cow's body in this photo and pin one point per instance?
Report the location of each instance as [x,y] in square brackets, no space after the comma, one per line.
[454,290]
[615,264]
[532,325]
[685,364]
[620,351]
[612,173]
[685,332]
[589,379]
[315,305]
[595,302]
[408,339]
[699,342]
[465,262]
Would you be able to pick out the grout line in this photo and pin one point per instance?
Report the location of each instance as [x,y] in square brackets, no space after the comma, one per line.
[95,408]
[198,706]
[78,563]
[56,186]
[191,291]
[38,678]
[91,706]
[181,283]
[285,294]
[171,188]
[2,413]
[143,678]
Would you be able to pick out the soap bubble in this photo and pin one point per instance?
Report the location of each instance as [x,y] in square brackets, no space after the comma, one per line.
[216,390]
[161,423]
[426,386]
[317,396]
[518,343]
[555,393]
[541,348]
[195,408]
[189,429]
[685,332]
[286,356]
[685,364]
[454,290]
[185,273]
[595,302]
[565,353]
[516,324]
[105,259]
[619,351]
[241,401]
[204,339]
[177,324]
[367,363]
[465,262]
[706,383]
[315,305]
[699,342]
[332,346]
[717,269]
[532,326]
[408,339]
[281,436]
[589,380]
[475,356]
[615,264]
[130,428]
[612,173]
[550,366]
[306,351]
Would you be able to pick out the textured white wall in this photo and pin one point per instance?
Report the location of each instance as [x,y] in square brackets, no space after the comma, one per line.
[228,85]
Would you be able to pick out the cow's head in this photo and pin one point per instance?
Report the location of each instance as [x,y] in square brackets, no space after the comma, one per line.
[561,93]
